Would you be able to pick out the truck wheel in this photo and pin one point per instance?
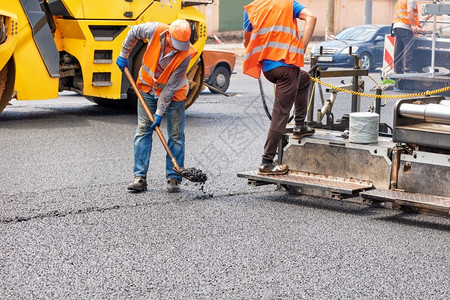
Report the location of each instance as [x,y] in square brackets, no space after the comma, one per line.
[367,63]
[195,77]
[220,79]
[7,77]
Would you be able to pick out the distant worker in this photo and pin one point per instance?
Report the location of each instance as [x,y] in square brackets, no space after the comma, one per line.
[406,26]
[163,85]
[273,45]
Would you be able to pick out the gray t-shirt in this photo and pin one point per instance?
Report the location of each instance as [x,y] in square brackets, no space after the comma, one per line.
[176,79]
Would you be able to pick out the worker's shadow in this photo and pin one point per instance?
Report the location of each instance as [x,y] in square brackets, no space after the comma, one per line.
[410,219]
[73,115]
[396,216]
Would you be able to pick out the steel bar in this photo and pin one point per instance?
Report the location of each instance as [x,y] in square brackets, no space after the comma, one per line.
[343,73]
[434,113]
[395,166]
[378,102]
[433,47]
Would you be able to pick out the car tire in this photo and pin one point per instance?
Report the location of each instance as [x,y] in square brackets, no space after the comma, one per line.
[220,79]
[367,61]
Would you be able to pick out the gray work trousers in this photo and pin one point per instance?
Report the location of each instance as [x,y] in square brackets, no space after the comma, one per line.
[403,50]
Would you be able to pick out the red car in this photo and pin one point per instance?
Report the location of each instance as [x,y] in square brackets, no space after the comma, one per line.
[219,66]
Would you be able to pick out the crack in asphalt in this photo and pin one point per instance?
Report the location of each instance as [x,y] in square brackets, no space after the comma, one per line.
[61,214]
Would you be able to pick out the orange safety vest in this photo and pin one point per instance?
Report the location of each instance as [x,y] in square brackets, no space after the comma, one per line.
[402,13]
[147,80]
[274,35]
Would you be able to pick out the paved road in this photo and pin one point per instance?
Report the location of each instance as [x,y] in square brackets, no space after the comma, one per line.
[70,230]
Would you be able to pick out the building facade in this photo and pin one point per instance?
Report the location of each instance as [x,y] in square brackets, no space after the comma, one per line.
[226,15]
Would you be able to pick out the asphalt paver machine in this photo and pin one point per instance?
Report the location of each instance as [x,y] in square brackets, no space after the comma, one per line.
[408,168]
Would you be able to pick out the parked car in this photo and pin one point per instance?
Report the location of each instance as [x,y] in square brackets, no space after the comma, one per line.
[219,65]
[366,40]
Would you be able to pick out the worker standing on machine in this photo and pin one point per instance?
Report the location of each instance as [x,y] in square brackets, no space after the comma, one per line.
[163,85]
[273,46]
[405,27]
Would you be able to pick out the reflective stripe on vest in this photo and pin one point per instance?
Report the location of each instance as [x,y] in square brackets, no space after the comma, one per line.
[149,72]
[274,28]
[142,80]
[146,78]
[404,14]
[274,45]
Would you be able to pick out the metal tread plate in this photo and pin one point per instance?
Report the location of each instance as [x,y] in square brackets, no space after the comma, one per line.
[404,198]
[308,180]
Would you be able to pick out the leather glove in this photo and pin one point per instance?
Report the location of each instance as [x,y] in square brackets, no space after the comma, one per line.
[122,63]
[157,122]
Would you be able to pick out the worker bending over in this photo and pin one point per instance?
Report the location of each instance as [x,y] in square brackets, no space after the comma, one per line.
[273,45]
[163,85]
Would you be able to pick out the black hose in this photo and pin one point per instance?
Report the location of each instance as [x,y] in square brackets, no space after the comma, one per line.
[263,98]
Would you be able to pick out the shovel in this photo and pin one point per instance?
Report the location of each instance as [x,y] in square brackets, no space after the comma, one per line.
[190,174]
[218,91]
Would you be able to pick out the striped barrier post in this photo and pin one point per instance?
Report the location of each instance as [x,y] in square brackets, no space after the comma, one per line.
[388,56]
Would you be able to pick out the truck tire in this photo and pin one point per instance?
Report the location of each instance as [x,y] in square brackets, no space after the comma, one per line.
[220,79]
[195,77]
[7,78]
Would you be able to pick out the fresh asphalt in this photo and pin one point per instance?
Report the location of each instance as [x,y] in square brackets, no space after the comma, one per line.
[70,230]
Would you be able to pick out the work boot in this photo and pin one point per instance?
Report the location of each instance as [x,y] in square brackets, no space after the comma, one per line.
[300,132]
[272,169]
[173,185]
[138,185]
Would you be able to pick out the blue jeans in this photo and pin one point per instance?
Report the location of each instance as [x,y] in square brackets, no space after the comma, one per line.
[176,120]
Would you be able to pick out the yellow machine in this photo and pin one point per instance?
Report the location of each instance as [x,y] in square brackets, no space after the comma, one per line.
[55,45]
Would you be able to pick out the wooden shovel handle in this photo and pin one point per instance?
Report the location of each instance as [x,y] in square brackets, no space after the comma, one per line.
[147,110]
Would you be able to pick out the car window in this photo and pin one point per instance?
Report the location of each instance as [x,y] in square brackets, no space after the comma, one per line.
[385,30]
[356,34]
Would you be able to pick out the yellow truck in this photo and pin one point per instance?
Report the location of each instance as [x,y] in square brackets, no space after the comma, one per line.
[48,46]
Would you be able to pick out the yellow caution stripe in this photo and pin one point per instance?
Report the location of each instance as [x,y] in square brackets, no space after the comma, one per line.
[427,93]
